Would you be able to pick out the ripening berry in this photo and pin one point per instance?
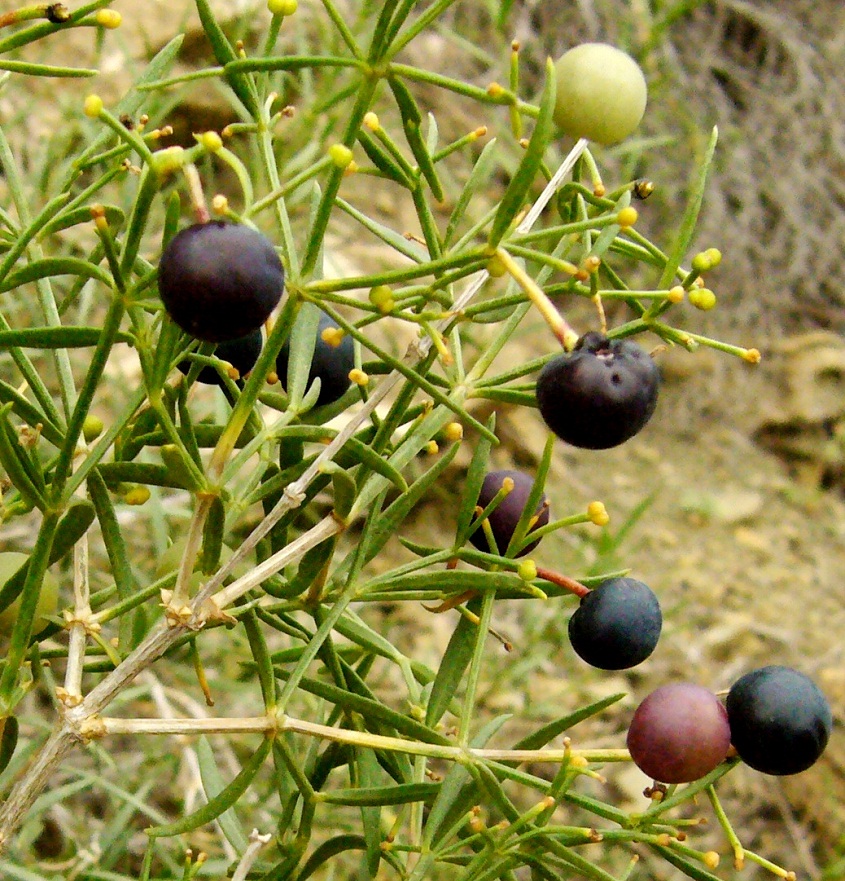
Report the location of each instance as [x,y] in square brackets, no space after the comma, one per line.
[505,516]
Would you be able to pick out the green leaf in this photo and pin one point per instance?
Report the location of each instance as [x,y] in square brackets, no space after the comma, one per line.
[225,798]
[478,178]
[212,537]
[329,849]
[398,794]
[514,198]
[548,732]
[57,337]
[8,741]
[690,218]
[30,69]
[241,84]
[455,661]
[212,783]
[389,522]
[74,216]
[472,484]
[411,122]
[49,267]
[373,711]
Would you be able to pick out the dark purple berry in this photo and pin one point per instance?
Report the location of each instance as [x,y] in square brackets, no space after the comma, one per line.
[600,394]
[780,720]
[220,281]
[241,353]
[331,364]
[617,624]
[679,733]
[506,515]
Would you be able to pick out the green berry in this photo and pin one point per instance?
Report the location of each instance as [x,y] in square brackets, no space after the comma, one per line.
[601,93]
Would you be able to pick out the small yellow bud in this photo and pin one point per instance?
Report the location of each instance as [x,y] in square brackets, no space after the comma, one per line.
[93,106]
[714,255]
[137,495]
[676,294]
[340,154]
[108,18]
[701,262]
[92,427]
[371,121]
[527,570]
[454,431]
[381,296]
[710,859]
[752,356]
[358,377]
[702,298]
[332,336]
[210,140]
[480,132]
[220,204]
[431,447]
[627,217]
[599,190]
[494,90]
[597,513]
[350,169]
[282,7]
[592,263]
[169,159]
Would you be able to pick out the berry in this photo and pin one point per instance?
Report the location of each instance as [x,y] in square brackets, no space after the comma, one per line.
[780,720]
[679,733]
[220,281]
[506,515]
[601,93]
[600,394]
[617,624]
[241,353]
[10,562]
[331,364]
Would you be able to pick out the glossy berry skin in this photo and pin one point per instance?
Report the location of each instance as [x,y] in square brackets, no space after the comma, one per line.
[505,516]
[617,624]
[241,353]
[601,93]
[600,394]
[679,733]
[330,363]
[780,720]
[220,281]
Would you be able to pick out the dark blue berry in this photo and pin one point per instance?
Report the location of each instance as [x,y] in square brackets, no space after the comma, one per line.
[617,624]
[331,364]
[780,720]
[241,353]
[506,515]
[220,281]
[600,394]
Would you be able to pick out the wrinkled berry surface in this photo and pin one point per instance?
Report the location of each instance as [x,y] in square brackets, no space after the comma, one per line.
[600,394]
[241,353]
[780,720]
[331,364]
[617,624]
[220,281]
[679,733]
[504,518]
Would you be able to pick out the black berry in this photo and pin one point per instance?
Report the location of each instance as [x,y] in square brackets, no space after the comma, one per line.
[780,720]
[600,394]
[506,515]
[679,733]
[617,624]
[220,281]
[241,353]
[331,364]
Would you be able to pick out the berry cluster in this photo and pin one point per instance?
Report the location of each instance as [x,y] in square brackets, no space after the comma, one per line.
[777,720]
